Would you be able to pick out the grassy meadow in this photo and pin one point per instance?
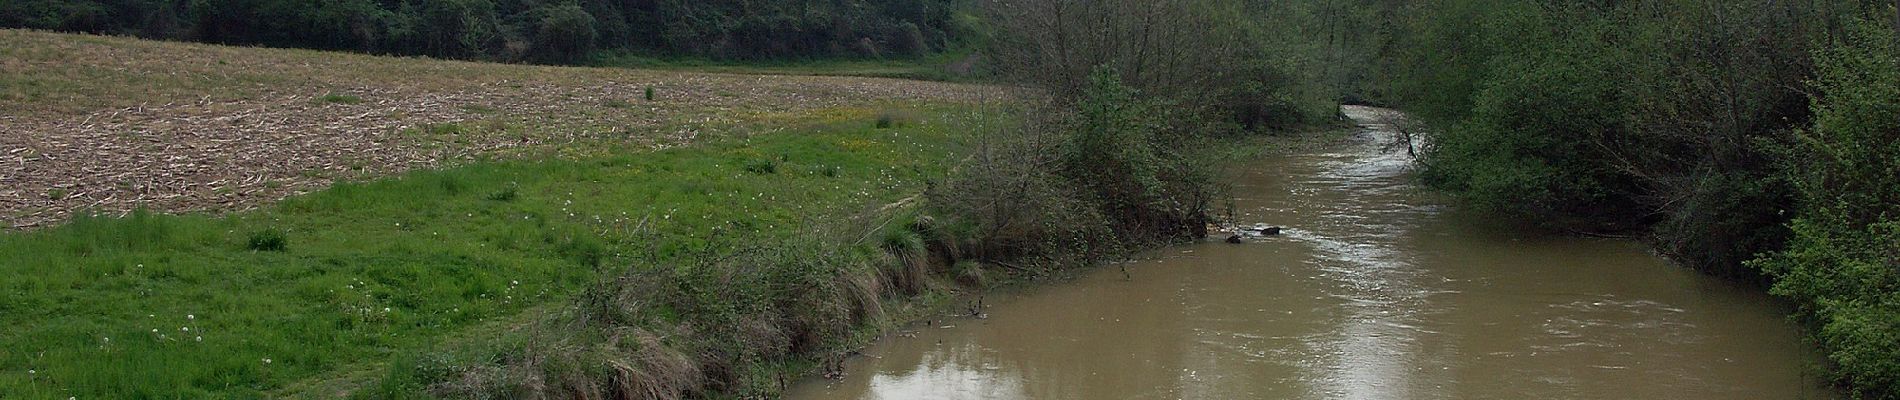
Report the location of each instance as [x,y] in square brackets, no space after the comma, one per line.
[237,306]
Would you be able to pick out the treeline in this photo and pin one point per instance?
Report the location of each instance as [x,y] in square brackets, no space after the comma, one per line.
[1749,138]
[524,30]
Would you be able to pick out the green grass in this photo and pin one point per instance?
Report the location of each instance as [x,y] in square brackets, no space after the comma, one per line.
[161,306]
[932,68]
[339,98]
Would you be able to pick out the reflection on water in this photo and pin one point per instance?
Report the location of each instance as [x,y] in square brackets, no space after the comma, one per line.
[1374,292]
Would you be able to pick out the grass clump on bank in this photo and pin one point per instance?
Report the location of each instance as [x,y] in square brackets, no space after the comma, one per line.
[240,306]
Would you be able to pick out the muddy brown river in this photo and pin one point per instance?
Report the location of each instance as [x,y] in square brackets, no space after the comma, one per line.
[1376,290]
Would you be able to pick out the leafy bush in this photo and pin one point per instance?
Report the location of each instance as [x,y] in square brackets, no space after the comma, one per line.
[761,166]
[1074,187]
[267,240]
[1842,266]
[565,34]
[1138,176]
[339,98]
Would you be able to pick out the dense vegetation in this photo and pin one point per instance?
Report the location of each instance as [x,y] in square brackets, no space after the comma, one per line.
[524,30]
[1842,264]
[1724,131]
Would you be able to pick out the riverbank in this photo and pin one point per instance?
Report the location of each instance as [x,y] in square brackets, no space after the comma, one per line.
[1376,289]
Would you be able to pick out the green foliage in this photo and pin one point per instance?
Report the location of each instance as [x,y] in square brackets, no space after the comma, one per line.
[565,34]
[340,98]
[1227,60]
[555,32]
[1118,149]
[509,193]
[1680,118]
[1843,265]
[1529,147]
[1613,117]
[267,240]
[761,166]
[1075,187]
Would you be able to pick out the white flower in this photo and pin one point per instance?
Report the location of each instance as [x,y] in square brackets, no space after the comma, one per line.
[191,317]
[514,282]
[385,309]
[31,372]
[154,330]
[267,361]
[200,338]
[184,329]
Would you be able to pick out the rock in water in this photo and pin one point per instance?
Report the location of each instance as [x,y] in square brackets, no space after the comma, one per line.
[1235,239]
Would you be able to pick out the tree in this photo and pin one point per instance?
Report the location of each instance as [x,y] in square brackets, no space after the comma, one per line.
[565,34]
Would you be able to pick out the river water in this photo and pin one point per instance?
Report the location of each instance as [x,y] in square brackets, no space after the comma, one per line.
[1377,290]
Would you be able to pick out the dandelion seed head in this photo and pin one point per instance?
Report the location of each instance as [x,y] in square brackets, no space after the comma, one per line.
[200,338]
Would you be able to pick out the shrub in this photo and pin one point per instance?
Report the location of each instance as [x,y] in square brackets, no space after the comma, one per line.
[267,240]
[340,98]
[565,34]
[506,194]
[1842,266]
[1137,173]
[971,274]
[761,166]
[909,40]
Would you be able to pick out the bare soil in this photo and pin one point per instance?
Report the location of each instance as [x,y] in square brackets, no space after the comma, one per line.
[109,125]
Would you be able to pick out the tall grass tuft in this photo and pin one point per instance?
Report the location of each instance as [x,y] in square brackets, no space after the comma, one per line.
[267,240]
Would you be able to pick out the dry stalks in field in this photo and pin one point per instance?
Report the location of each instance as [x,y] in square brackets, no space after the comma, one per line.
[109,125]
